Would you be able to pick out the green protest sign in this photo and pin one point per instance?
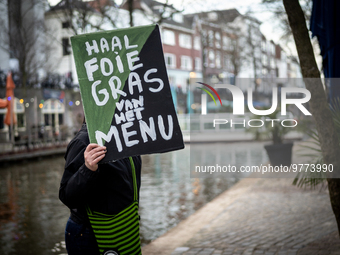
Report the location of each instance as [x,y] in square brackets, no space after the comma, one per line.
[125,91]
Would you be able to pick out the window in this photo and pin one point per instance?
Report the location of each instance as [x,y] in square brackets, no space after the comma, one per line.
[272,63]
[227,63]
[21,120]
[170,60]
[198,64]
[264,60]
[212,58]
[263,45]
[185,41]
[211,38]
[283,55]
[225,42]
[2,117]
[66,47]
[228,43]
[218,59]
[272,49]
[231,44]
[178,17]
[169,37]
[197,43]
[47,119]
[186,63]
[19,111]
[218,40]
[204,37]
[205,57]
[53,111]
[65,24]
[61,118]
[213,16]
[264,71]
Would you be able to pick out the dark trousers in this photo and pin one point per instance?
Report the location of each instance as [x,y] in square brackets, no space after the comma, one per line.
[80,240]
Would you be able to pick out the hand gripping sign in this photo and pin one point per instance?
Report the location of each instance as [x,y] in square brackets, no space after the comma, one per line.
[125,92]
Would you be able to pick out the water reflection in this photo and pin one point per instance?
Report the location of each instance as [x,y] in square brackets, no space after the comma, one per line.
[229,156]
[168,195]
[32,219]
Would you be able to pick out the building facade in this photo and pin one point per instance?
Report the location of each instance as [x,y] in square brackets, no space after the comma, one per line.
[217,47]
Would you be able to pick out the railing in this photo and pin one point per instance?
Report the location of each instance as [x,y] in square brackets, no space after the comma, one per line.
[204,123]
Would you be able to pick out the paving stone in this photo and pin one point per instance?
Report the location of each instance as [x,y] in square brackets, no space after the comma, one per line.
[276,218]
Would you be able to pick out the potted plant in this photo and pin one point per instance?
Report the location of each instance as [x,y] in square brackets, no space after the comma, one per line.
[279,153]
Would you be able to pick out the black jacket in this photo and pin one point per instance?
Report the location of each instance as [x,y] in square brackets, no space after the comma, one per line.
[107,190]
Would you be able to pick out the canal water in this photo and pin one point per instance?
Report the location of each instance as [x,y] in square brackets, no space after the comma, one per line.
[32,219]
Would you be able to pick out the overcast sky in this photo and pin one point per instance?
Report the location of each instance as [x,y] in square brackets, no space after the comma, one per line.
[259,11]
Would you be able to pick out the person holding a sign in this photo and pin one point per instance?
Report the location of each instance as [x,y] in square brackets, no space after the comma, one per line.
[129,111]
[110,188]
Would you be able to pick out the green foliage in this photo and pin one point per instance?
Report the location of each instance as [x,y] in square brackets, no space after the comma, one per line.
[312,179]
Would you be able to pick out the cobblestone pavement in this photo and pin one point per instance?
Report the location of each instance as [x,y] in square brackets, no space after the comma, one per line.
[274,217]
[257,216]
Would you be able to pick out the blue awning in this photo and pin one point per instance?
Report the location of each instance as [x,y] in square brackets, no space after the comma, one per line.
[325,25]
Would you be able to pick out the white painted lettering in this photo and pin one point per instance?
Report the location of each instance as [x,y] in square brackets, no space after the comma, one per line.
[127,46]
[146,78]
[139,102]
[102,92]
[162,128]
[147,130]
[115,90]
[130,116]
[120,118]
[138,112]
[113,131]
[120,104]
[116,43]
[128,105]
[89,48]
[91,68]
[104,45]
[107,61]
[127,134]
[131,60]
[119,64]
[136,82]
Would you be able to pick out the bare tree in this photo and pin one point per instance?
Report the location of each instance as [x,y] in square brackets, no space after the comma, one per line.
[130,9]
[280,18]
[24,36]
[165,11]
[155,11]
[80,17]
[252,44]
[247,46]
[237,58]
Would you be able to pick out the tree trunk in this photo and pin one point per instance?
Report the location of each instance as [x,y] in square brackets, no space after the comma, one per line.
[319,107]
[130,6]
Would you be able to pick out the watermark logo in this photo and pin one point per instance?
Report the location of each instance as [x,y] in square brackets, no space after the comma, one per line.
[239,104]
[239,99]
[111,252]
[209,93]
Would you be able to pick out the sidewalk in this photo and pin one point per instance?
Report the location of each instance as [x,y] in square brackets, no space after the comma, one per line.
[257,216]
